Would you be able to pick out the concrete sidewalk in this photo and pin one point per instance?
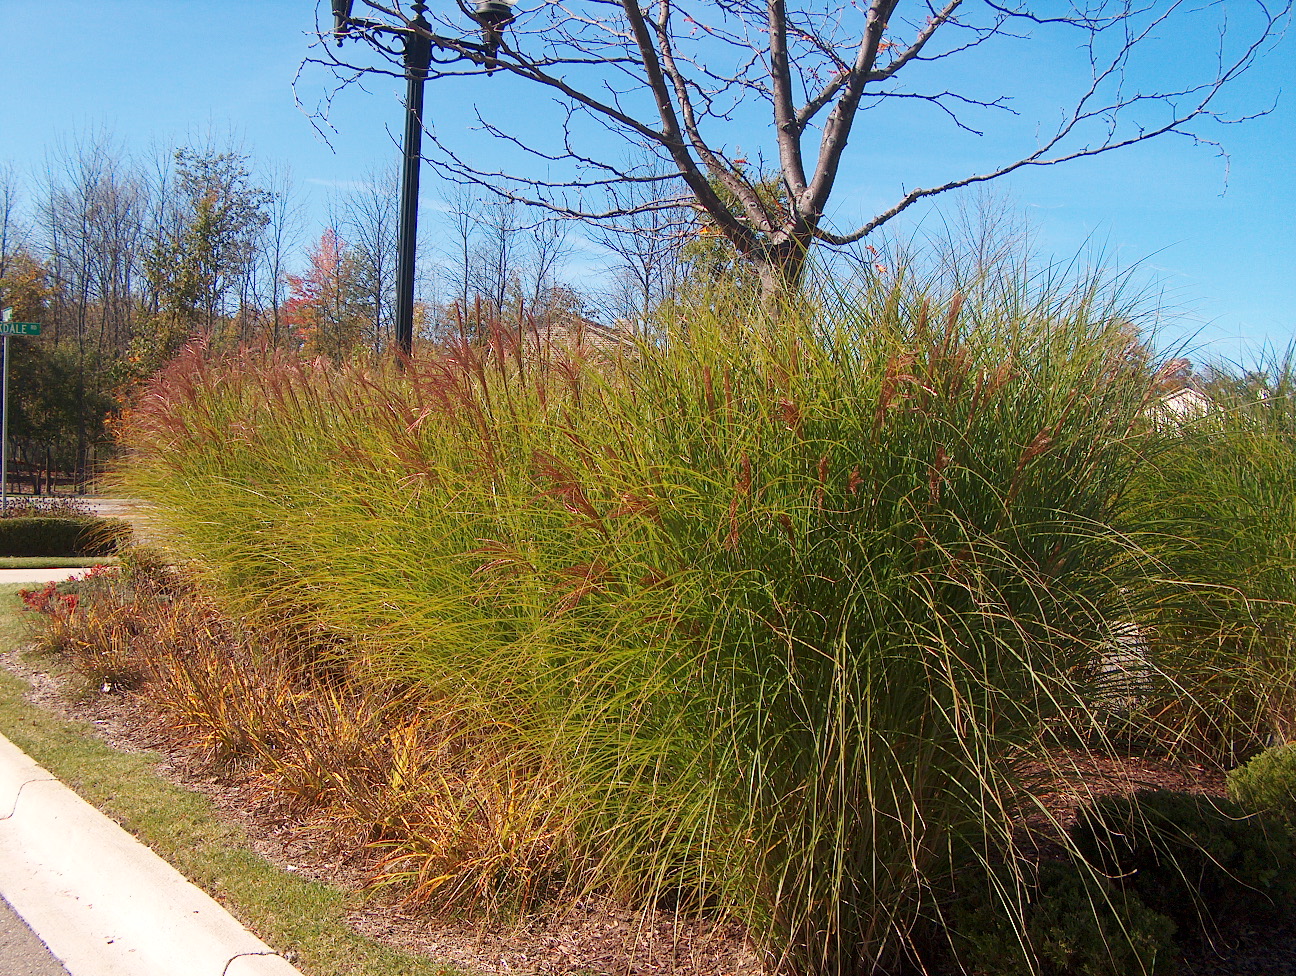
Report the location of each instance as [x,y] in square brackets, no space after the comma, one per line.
[103,903]
[41,575]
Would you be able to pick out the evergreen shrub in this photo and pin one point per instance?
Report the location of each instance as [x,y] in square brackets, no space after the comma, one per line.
[1267,784]
[1203,861]
[1072,922]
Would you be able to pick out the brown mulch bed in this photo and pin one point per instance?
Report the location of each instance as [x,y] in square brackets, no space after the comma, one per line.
[594,938]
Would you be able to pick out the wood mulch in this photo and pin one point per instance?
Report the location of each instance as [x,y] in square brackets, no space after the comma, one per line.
[593,938]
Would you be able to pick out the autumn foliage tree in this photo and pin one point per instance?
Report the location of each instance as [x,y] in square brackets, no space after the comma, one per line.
[326,305]
[24,286]
[54,414]
[204,242]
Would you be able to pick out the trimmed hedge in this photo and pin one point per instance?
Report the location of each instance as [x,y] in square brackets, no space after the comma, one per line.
[54,536]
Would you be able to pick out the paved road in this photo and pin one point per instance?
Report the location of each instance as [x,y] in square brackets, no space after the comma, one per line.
[118,507]
[134,512]
[21,952]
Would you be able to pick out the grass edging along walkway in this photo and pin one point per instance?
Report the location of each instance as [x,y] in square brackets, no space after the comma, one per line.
[294,915]
[55,562]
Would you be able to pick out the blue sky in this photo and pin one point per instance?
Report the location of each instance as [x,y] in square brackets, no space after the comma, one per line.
[1216,239]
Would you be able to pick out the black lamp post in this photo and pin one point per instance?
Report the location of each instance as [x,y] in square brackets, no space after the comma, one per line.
[493,16]
[418,58]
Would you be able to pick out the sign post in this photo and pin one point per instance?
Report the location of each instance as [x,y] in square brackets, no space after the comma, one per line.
[8,327]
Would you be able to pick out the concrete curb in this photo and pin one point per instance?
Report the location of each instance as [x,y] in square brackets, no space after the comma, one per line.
[103,903]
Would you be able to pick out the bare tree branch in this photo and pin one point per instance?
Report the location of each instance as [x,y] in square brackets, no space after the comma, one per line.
[678,78]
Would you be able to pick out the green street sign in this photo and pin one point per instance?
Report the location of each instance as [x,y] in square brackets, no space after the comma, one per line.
[19,328]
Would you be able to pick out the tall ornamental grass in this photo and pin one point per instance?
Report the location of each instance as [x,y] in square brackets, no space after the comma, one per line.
[1216,508]
[761,617]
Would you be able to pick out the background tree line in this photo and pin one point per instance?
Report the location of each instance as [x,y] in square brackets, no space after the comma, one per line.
[124,261]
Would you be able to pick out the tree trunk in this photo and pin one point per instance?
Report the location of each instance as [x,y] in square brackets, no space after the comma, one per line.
[781,270]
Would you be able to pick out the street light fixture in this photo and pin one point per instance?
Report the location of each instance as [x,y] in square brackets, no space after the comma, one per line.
[493,16]
[341,19]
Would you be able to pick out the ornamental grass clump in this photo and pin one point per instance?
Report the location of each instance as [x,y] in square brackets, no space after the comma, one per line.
[1215,508]
[760,617]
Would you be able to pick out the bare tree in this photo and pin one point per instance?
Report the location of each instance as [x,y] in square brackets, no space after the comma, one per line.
[278,242]
[495,266]
[93,216]
[13,234]
[549,245]
[499,267]
[675,76]
[92,220]
[370,216]
[464,211]
[647,241]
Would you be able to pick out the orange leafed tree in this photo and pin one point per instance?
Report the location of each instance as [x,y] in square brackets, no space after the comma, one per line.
[324,304]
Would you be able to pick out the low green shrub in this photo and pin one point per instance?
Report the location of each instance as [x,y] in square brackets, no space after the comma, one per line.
[1200,860]
[1267,784]
[1072,923]
[38,536]
[45,535]
[103,536]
